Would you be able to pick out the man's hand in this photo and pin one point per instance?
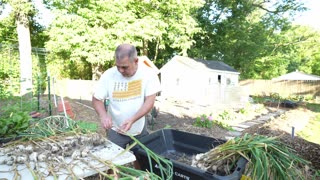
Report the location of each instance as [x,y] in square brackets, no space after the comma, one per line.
[106,121]
[105,118]
[126,125]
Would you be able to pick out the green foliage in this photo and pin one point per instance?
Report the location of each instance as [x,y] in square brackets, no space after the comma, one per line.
[258,99]
[204,121]
[13,121]
[316,174]
[243,111]
[276,98]
[225,116]
[242,33]
[14,114]
[87,126]
[259,43]
[91,31]
[208,121]
[8,33]
[313,107]
[10,71]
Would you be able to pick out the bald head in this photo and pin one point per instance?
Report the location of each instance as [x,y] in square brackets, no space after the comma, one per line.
[126,51]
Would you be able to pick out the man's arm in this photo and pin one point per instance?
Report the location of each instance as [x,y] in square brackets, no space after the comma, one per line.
[105,119]
[145,109]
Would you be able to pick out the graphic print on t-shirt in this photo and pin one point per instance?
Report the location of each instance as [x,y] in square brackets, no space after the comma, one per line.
[123,91]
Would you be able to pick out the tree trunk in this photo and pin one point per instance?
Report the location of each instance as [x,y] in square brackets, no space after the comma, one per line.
[145,47]
[96,71]
[25,53]
[157,49]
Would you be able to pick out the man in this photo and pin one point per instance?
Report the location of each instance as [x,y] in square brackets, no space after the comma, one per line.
[131,90]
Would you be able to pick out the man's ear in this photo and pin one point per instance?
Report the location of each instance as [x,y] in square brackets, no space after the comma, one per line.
[136,60]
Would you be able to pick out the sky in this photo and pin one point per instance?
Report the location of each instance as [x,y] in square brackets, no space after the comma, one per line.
[310,17]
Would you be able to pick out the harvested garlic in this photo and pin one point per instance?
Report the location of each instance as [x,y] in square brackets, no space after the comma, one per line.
[33,156]
[21,159]
[29,149]
[75,154]
[42,157]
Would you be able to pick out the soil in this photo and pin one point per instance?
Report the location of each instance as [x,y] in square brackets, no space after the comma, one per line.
[181,115]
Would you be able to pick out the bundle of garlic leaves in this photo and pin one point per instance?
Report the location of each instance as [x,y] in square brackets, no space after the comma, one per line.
[267,158]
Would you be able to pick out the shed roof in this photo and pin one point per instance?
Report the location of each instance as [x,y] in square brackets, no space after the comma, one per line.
[146,61]
[298,76]
[202,65]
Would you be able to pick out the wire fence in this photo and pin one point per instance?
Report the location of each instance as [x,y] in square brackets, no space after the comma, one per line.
[10,79]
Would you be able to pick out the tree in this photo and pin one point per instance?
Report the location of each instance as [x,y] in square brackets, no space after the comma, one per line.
[303,49]
[244,34]
[19,29]
[89,31]
[21,10]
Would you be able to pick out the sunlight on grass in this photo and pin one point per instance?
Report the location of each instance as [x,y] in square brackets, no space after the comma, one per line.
[312,131]
[314,107]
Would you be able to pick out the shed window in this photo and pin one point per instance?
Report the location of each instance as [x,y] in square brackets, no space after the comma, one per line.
[219,79]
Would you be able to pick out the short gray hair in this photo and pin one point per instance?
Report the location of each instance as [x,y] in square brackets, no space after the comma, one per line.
[126,50]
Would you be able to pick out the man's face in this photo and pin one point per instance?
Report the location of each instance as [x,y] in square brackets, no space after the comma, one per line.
[126,67]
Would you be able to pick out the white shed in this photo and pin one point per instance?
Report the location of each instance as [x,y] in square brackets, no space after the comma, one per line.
[201,80]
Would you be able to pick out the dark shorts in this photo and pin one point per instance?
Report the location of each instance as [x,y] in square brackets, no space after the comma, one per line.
[123,140]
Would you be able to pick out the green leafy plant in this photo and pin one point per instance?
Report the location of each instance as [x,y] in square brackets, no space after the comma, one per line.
[209,121]
[225,116]
[13,122]
[87,126]
[259,99]
[316,174]
[204,121]
[14,116]
[243,111]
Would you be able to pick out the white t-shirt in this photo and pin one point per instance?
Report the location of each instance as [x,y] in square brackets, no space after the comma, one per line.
[127,94]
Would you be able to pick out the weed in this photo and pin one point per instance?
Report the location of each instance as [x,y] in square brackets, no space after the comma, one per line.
[87,126]
[208,122]
[225,116]
[203,121]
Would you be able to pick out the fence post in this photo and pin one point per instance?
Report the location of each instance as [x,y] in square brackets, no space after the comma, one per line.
[49,96]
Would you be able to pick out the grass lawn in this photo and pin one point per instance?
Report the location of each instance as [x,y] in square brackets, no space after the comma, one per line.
[312,131]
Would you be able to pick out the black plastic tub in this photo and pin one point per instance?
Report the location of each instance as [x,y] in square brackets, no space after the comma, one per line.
[173,144]
[4,140]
